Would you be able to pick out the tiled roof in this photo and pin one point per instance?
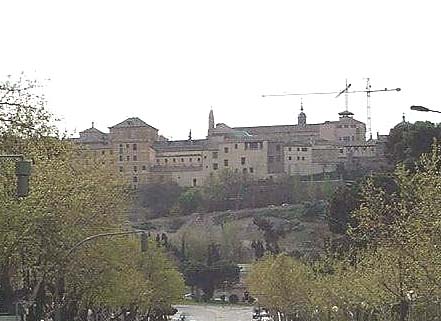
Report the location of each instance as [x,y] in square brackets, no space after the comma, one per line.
[132,122]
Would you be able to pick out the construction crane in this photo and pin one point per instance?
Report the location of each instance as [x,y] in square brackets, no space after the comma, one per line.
[346,91]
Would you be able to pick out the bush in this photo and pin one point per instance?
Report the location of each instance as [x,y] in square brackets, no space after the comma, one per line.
[233,299]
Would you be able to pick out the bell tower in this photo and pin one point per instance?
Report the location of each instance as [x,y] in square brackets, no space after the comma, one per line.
[301,119]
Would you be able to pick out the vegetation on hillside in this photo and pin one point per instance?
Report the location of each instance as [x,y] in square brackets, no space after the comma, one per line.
[390,268]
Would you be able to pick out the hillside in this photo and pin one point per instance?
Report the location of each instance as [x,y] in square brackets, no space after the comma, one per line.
[303,227]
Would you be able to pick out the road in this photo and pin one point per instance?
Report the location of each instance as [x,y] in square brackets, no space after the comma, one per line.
[216,312]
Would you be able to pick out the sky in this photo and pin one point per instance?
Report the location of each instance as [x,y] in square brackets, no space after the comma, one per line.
[168,62]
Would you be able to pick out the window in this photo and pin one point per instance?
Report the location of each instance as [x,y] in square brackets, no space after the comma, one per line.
[251,170]
[103,152]
[127,146]
[304,149]
[120,149]
[338,126]
[120,158]
[278,148]
[341,150]
[135,158]
[289,149]
[194,182]
[226,162]
[135,147]
[157,161]
[205,156]
[270,159]
[289,158]
[253,145]
[214,155]
[199,159]
[244,170]
[242,160]
[128,158]
[121,169]
[278,159]
[135,179]
[215,166]
[303,157]
[144,167]
[182,160]
[346,126]
[260,145]
[353,138]
[166,160]
[298,149]
[190,160]
[235,146]
[353,126]
[111,152]
[225,150]
[174,160]
[298,157]
[135,168]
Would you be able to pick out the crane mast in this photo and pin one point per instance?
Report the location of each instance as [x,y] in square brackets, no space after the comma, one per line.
[368,108]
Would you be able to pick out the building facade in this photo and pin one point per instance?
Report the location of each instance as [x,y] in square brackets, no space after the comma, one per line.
[136,151]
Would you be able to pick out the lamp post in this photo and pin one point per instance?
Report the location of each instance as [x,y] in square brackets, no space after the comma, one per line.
[22,171]
[425,109]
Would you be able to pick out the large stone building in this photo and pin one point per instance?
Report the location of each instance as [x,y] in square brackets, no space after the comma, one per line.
[134,149]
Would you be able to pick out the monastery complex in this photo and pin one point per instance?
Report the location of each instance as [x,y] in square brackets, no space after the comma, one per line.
[136,150]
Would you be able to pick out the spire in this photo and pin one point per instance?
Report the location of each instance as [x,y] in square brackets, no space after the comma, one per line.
[93,124]
[211,120]
[189,135]
[301,119]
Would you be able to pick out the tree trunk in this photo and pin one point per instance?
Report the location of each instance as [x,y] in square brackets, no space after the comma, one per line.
[7,291]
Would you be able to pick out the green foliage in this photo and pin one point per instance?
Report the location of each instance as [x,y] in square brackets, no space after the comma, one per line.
[393,262]
[210,276]
[190,201]
[281,283]
[408,141]
[159,198]
[68,202]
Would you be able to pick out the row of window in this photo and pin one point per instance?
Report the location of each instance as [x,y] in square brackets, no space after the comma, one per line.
[248,145]
[303,149]
[298,158]
[174,160]
[244,170]
[347,138]
[346,126]
[135,168]
[134,158]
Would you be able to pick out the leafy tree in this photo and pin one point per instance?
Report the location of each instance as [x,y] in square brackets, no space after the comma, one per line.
[209,277]
[159,198]
[344,200]
[190,201]
[67,203]
[227,190]
[408,141]
[271,234]
[281,284]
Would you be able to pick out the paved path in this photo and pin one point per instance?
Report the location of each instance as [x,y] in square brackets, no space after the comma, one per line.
[216,312]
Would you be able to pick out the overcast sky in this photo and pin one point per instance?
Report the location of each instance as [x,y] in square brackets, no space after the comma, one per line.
[167,62]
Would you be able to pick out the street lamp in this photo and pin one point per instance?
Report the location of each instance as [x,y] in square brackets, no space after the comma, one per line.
[422,108]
